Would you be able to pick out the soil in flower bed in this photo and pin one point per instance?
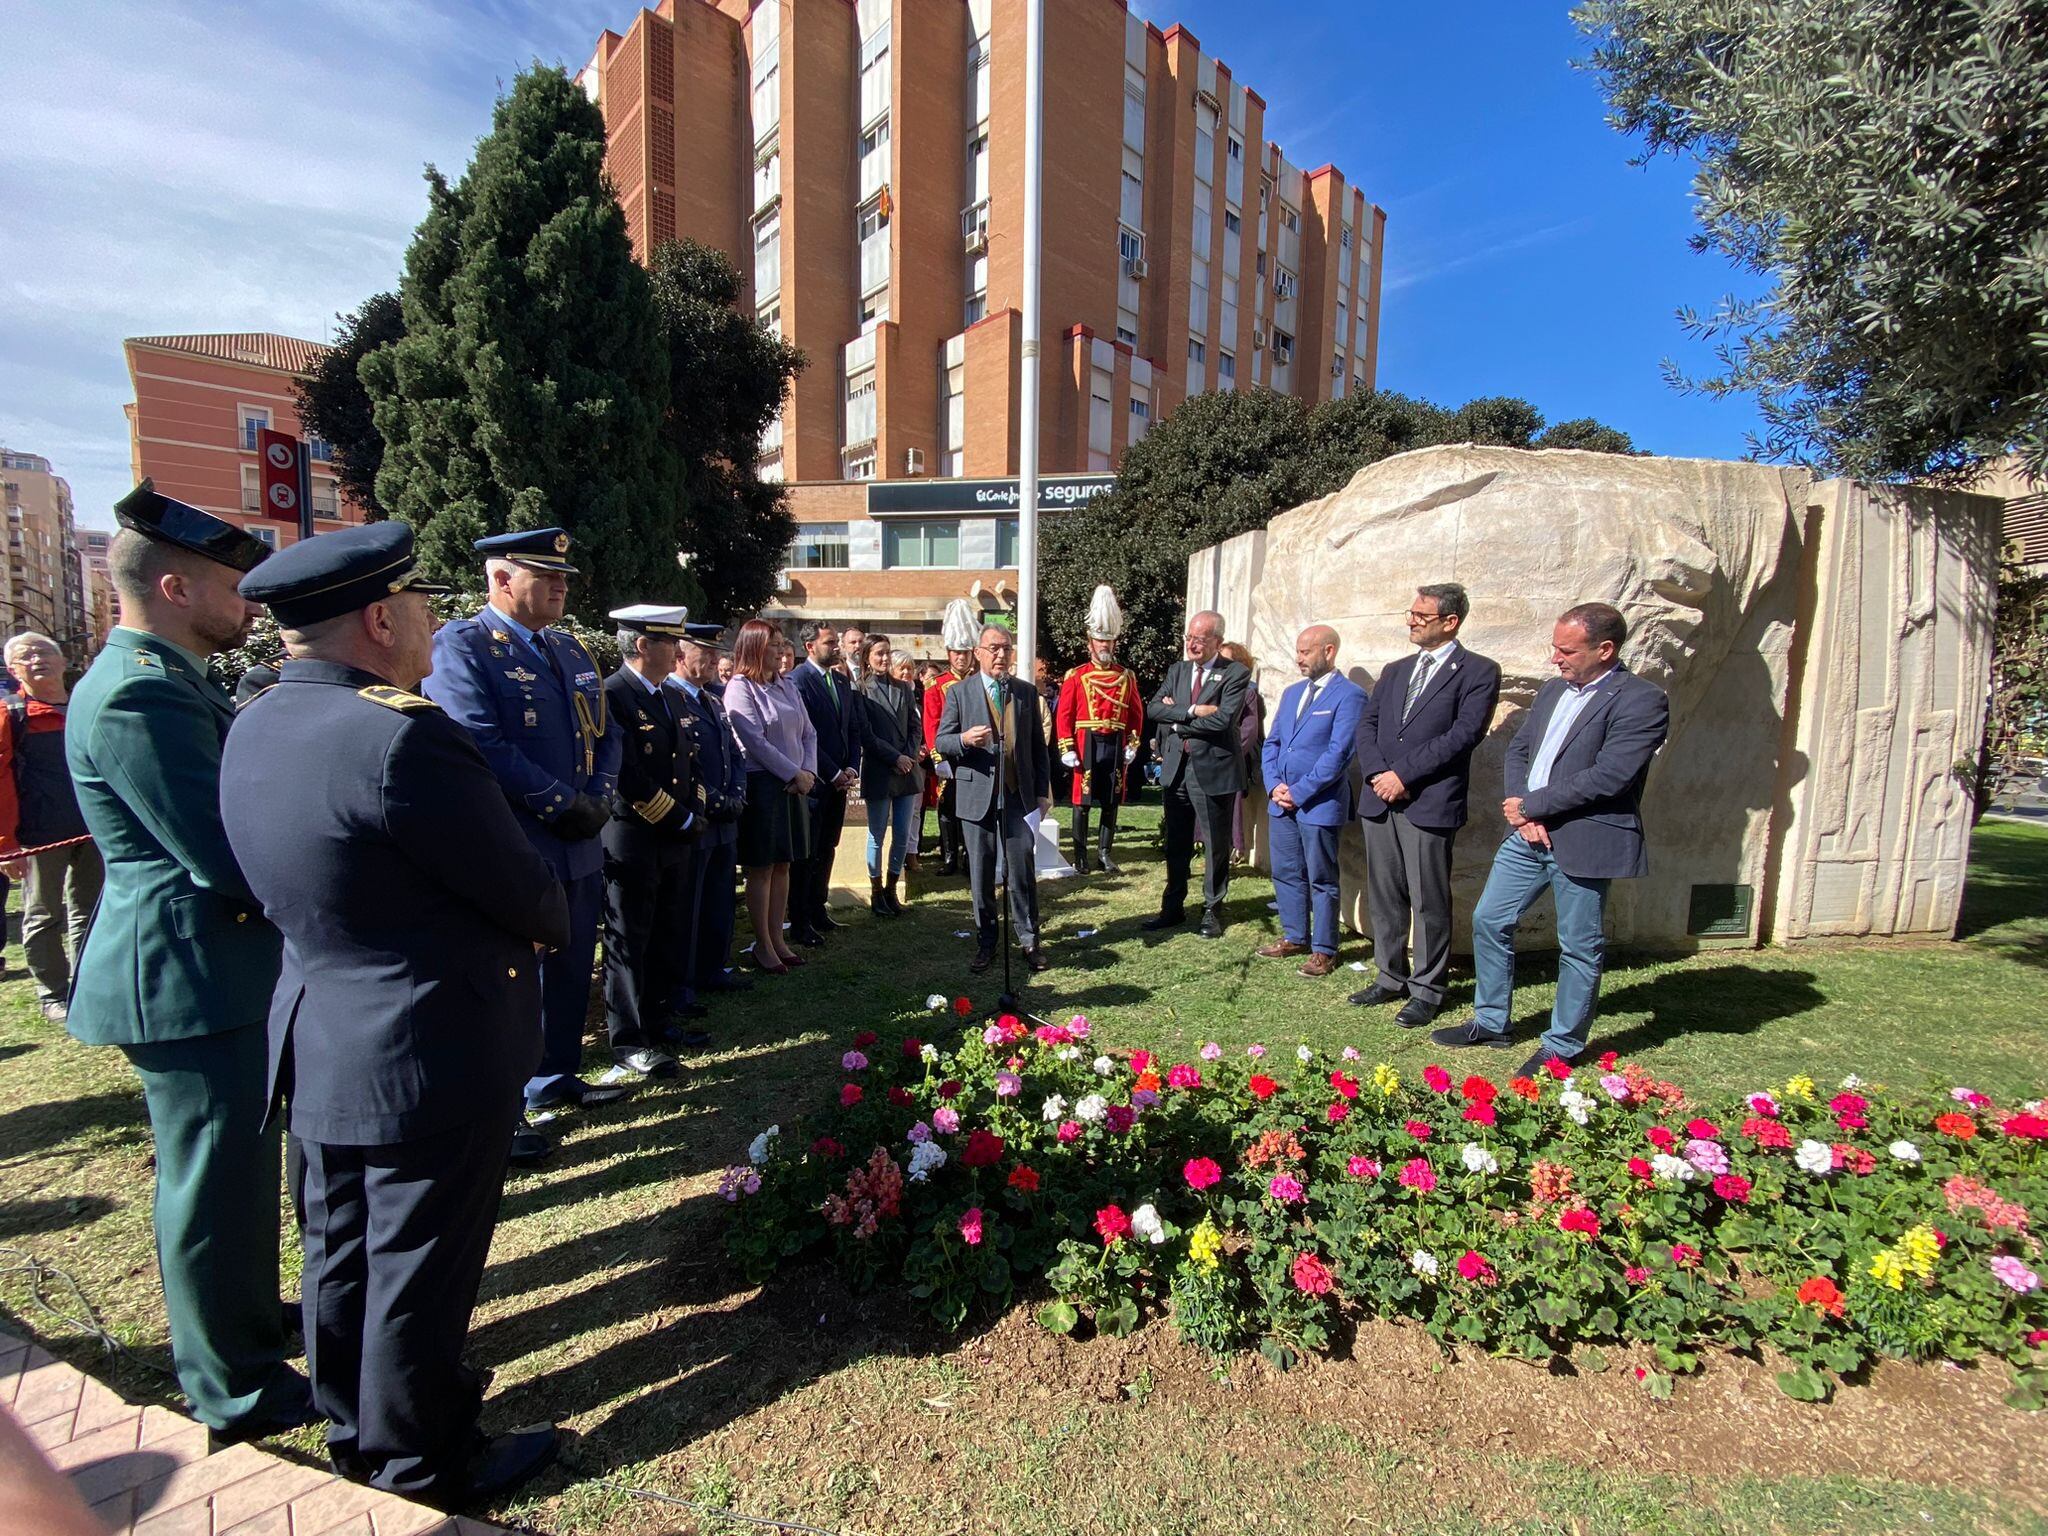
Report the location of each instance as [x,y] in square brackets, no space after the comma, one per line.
[1478,1419]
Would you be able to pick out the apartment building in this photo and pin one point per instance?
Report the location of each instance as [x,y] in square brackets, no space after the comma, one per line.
[199,403]
[97,582]
[41,585]
[863,164]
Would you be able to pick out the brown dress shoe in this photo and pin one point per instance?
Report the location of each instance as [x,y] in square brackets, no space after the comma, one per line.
[1282,949]
[1319,965]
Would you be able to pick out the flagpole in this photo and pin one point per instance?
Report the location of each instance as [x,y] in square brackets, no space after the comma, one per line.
[1027,371]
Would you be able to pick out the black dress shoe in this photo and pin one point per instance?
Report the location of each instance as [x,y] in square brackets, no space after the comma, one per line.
[808,937]
[983,959]
[688,1039]
[1212,926]
[1037,960]
[1164,921]
[1540,1062]
[1374,997]
[1416,1014]
[597,1095]
[1469,1034]
[530,1148]
[825,922]
[506,1461]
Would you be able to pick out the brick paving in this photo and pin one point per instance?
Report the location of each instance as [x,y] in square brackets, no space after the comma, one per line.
[146,1471]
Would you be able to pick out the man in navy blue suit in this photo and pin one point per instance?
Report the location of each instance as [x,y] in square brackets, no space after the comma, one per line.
[708,908]
[1307,763]
[533,700]
[1575,773]
[1418,733]
[834,709]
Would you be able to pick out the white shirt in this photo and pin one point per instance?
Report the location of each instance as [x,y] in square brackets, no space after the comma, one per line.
[1308,695]
[1562,718]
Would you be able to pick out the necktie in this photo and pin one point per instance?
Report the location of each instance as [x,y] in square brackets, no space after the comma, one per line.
[1196,697]
[1308,697]
[1416,684]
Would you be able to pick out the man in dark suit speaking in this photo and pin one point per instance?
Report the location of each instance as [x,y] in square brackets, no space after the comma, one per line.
[1416,738]
[1575,773]
[1201,769]
[989,726]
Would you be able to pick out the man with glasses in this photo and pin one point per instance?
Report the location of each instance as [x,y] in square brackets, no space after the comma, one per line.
[1201,769]
[1415,742]
[990,728]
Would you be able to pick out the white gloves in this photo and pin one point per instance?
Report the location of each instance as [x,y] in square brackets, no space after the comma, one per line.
[1130,756]
[1070,760]
[943,769]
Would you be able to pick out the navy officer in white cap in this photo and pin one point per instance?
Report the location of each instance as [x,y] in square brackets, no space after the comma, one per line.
[533,698]
[407,1018]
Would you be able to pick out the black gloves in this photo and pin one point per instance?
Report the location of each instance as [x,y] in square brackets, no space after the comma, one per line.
[583,817]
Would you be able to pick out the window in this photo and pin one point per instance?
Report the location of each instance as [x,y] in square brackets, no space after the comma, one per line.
[1197,354]
[1283,347]
[1130,244]
[1141,417]
[1236,147]
[977,69]
[1259,265]
[1007,553]
[874,217]
[1232,224]
[874,74]
[1198,297]
[1283,283]
[1289,219]
[770,317]
[861,466]
[767,75]
[319,450]
[1265,195]
[1134,117]
[768,256]
[874,139]
[264,532]
[819,547]
[252,492]
[927,545]
[1132,209]
[1345,239]
[874,309]
[326,501]
[1127,336]
[253,418]
[767,179]
[1226,366]
[860,410]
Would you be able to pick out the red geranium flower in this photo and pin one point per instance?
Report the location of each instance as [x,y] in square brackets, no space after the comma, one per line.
[1345,1084]
[2025,1126]
[1702,1130]
[1558,1068]
[1140,1060]
[1201,1172]
[1733,1188]
[1579,1219]
[1262,1086]
[1478,1090]
[1480,1114]
[950,1088]
[1120,1118]
[1024,1179]
[849,1095]
[901,1097]
[1960,1126]
[1855,1159]
[864,1039]
[1311,1275]
[1766,1133]
[1473,1266]
[1525,1087]
[962,1006]
[1822,1293]
[1417,1129]
[1848,1103]
[1640,1168]
[1661,1137]
[1337,1112]
[912,1046]
[983,1149]
[825,1146]
[1112,1225]
[1607,1061]
[1684,1255]
[1436,1079]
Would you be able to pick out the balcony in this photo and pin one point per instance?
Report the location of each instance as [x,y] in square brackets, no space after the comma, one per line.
[860,354]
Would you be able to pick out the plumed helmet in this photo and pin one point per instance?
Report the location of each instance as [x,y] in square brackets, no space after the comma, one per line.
[1105,618]
[961,630]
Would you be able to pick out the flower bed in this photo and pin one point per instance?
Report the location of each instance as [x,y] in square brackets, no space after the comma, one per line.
[1257,1199]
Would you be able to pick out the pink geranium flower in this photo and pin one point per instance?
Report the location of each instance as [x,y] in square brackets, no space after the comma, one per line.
[1201,1172]
[970,1227]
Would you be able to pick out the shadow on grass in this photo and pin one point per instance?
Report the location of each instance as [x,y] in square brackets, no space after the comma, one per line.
[2008,888]
[20,1218]
[1717,1000]
[9,1052]
[40,1127]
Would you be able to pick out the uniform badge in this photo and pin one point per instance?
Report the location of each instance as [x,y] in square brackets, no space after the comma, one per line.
[521,675]
[561,543]
[501,637]
[532,718]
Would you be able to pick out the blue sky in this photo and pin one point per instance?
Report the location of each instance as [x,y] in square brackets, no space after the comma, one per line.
[181,166]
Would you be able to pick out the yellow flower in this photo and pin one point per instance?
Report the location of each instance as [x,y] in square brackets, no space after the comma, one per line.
[1920,1249]
[1887,1269]
[1801,1088]
[1205,1243]
[1386,1080]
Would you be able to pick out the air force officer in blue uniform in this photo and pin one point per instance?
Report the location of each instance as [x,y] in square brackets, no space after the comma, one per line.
[406,1020]
[533,700]
[1307,766]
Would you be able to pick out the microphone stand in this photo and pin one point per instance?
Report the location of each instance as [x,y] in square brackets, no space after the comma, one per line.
[1008,1001]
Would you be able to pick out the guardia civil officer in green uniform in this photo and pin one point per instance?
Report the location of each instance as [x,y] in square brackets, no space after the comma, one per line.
[179,965]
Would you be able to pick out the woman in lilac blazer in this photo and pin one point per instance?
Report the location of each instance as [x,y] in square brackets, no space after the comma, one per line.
[781,752]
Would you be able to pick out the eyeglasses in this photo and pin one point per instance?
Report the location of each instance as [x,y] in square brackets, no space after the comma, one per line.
[998,650]
[1422,618]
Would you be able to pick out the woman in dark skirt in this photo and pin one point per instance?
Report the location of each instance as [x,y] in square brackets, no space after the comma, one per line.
[781,751]
[891,778]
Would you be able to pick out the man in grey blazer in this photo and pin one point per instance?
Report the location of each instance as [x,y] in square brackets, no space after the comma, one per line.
[1574,775]
[990,724]
[1201,769]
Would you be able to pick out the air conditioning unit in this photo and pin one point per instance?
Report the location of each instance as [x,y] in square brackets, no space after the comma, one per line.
[1135,267]
[977,240]
[913,461]
[1258,341]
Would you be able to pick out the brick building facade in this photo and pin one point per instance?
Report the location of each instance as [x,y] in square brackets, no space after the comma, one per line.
[42,585]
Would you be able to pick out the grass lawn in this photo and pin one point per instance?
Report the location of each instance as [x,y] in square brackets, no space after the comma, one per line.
[608,1305]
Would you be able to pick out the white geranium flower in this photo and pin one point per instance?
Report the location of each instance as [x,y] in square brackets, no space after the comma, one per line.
[926,1158]
[927,1053]
[1303,1054]
[1478,1159]
[1424,1263]
[1068,1053]
[1851,1083]
[1576,1105]
[757,1149]
[1091,1109]
[1104,1067]
[1815,1156]
[1146,1223]
[1054,1110]
[1905,1152]
[1666,1169]
[936,1002]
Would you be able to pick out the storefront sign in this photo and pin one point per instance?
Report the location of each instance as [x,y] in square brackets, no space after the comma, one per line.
[965,498]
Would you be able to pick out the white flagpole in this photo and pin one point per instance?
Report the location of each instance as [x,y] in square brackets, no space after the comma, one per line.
[1027,371]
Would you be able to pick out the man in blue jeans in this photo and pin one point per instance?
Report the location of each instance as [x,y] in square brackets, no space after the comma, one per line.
[1574,775]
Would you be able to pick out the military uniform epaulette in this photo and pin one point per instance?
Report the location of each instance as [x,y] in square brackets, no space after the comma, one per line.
[245,703]
[394,698]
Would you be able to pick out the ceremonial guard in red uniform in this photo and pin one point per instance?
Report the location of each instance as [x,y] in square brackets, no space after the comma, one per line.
[960,633]
[1097,728]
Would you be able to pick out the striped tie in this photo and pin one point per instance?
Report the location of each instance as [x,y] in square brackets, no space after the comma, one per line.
[1415,685]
